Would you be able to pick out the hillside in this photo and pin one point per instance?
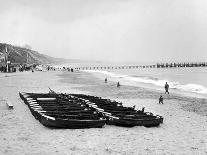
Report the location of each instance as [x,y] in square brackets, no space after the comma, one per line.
[24,55]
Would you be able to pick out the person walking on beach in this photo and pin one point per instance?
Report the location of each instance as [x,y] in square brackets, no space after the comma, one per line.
[166,88]
[105,80]
[161,100]
[118,84]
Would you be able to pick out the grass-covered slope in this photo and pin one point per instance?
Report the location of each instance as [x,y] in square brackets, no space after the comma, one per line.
[24,55]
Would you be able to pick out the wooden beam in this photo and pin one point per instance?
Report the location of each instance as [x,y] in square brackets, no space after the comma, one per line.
[9,104]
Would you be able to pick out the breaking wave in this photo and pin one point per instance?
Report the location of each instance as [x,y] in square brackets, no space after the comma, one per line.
[136,80]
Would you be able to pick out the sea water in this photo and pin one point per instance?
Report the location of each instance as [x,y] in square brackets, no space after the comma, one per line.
[187,81]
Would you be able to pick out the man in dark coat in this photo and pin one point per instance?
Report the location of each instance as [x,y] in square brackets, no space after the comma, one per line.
[166,88]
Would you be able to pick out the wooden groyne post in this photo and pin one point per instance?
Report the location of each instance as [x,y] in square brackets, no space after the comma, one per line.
[181,64]
[158,65]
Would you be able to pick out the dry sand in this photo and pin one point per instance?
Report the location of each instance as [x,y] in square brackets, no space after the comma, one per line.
[183,132]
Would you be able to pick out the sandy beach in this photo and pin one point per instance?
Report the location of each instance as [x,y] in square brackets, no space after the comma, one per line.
[184,130]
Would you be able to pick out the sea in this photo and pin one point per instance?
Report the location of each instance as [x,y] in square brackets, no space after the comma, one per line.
[188,81]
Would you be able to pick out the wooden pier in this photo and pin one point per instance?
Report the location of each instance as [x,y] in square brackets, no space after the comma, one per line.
[184,64]
[158,65]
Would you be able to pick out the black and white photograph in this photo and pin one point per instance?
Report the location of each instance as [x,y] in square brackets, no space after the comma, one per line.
[103,77]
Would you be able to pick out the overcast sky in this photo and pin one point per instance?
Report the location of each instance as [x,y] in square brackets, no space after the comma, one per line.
[112,30]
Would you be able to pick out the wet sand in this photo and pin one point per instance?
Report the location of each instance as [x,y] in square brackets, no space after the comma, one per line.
[97,87]
[183,131]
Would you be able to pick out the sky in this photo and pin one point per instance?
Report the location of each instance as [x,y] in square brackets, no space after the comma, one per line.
[108,30]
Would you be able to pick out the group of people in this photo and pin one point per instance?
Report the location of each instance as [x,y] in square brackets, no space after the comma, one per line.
[160,99]
[166,92]
[118,84]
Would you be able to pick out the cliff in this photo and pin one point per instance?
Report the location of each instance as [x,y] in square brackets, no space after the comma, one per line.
[24,55]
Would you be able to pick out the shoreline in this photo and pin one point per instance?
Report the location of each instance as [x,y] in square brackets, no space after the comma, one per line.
[182,132]
[188,103]
[130,77]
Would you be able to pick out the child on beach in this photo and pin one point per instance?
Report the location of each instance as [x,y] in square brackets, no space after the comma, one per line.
[161,100]
[118,84]
[105,80]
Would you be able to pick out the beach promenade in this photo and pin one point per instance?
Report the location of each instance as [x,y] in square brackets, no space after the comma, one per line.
[182,132]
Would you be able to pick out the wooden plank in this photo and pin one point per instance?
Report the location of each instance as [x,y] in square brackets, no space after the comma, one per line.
[9,104]
[48,117]
[46,99]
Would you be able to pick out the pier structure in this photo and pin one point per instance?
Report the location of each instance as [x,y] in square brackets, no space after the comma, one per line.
[181,64]
[158,65]
[114,67]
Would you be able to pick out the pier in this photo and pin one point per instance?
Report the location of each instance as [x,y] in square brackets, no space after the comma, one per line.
[157,65]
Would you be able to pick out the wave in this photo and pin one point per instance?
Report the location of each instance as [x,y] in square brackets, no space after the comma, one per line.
[137,80]
[193,88]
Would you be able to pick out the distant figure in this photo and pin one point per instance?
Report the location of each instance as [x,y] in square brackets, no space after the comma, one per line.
[166,88]
[161,100]
[105,80]
[143,109]
[134,107]
[118,84]
[71,69]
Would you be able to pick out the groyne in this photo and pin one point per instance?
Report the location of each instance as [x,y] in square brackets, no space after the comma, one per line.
[157,65]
